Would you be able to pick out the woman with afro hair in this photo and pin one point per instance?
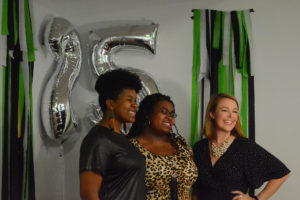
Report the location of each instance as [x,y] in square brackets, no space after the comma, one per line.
[110,166]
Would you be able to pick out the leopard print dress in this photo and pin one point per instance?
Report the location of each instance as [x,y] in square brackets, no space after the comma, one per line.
[159,170]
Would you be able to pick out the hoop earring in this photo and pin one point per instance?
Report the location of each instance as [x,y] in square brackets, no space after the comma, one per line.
[112,120]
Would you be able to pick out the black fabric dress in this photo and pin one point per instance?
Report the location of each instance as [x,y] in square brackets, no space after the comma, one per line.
[244,165]
[121,165]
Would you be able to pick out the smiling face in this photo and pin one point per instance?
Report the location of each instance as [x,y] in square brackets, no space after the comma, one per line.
[162,120]
[225,115]
[125,106]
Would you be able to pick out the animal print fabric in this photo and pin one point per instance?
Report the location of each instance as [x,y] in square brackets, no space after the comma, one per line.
[160,168]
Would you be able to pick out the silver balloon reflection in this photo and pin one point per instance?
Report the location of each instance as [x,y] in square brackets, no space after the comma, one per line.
[63,42]
[104,43]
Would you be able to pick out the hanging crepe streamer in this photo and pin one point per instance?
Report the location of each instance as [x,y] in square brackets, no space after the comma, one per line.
[17,169]
[222,64]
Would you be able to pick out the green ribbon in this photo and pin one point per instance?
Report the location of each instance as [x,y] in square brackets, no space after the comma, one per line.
[30,137]
[231,75]
[244,73]
[222,69]
[3,103]
[21,99]
[15,16]
[28,32]
[195,74]
[4,27]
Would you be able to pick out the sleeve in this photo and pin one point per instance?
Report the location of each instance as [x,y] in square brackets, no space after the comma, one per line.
[95,155]
[262,166]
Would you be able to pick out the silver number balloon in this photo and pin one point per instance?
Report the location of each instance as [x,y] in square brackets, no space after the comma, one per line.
[104,43]
[63,42]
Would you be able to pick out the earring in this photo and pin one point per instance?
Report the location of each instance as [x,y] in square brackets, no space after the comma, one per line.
[112,120]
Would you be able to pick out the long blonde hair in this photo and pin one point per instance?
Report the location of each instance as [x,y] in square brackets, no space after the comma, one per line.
[209,125]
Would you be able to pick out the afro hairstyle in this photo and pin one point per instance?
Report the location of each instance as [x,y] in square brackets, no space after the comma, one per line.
[110,84]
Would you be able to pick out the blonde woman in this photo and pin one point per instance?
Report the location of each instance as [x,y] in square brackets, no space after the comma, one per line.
[228,163]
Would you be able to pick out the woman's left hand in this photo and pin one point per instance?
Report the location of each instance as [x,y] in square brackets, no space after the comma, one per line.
[241,196]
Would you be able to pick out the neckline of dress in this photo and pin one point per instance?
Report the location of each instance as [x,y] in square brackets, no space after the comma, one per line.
[111,130]
[225,153]
[155,155]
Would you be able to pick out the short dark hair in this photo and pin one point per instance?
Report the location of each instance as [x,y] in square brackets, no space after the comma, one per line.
[110,84]
[146,108]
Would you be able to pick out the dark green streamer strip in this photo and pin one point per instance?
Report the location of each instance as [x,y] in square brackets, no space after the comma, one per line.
[195,75]
[222,69]
[3,104]
[244,73]
[16,24]
[231,75]
[21,97]
[216,37]
[4,27]
[29,179]
[28,32]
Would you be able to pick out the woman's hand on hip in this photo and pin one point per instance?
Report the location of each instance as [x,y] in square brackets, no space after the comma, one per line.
[241,196]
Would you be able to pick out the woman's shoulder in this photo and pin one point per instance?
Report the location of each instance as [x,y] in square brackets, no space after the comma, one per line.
[248,146]
[246,143]
[201,143]
[97,134]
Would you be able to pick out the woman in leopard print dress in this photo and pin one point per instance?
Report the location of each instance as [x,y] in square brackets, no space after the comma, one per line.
[170,169]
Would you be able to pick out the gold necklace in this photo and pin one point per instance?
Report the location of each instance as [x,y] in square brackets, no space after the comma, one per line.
[219,151]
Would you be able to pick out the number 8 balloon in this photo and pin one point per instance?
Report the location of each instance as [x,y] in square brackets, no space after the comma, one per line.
[62,41]
[56,110]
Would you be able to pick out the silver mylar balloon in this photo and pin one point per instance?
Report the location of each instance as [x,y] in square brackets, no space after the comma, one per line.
[104,43]
[63,42]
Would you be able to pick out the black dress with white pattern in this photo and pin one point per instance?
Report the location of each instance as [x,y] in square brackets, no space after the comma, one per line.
[244,165]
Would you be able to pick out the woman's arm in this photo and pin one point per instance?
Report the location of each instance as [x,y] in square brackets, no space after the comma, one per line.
[272,186]
[90,184]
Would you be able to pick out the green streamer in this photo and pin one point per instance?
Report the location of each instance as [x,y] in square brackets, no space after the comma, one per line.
[244,73]
[216,37]
[242,37]
[15,16]
[28,158]
[21,97]
[30,137]
[3,103]
[4,27]
[195,74]
[247,39]
[28,32]
[231,75]
[222,69]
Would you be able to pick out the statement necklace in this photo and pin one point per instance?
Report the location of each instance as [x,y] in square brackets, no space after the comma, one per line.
[219,151]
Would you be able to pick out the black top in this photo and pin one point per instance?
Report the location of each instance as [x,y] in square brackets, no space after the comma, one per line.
[121,165]
[244,165]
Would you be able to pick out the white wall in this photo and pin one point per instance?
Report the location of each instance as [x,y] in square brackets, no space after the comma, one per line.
[276,33]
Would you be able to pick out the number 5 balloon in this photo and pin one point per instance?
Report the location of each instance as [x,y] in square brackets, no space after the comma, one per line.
[105,42]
